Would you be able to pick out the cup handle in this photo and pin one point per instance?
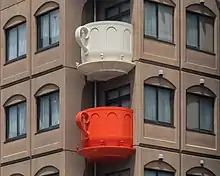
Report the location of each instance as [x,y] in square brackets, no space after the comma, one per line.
[82,121]
[79,37]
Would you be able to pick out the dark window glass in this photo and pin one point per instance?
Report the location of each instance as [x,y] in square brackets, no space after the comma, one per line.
[16,43]
[120,173]
[200,32]
[158,104]
[16,121]
[158,21]
[119,12]
[200,113]
[54,174]
[157,173]
[48,110]
[48,29]
[119,97]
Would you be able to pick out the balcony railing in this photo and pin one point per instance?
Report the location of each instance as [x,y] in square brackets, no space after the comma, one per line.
[106,49]
[107,133]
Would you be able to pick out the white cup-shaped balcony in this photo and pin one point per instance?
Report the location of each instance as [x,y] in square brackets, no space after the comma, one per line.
[106,49]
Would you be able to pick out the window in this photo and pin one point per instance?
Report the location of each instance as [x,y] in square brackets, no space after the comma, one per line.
[158,102]
[157,173]
[48,111]
[158,21]
[48,29]
[55,174]
[199,171]
[16,121]
[119,12]
[200,32]
[119,97]
[48,171]
[16,42]
[201,174]
[120,173]
[200,115]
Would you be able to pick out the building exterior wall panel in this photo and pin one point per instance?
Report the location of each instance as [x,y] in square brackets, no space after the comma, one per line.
[20,148]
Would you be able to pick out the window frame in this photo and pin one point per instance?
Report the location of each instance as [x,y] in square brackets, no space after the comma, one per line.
[40,48]
[51,127]
[158,171]
[7,30]
[199,96]
[119,14]
[172,95]
[198,18]
[7,108]
[157,4]
[119,98]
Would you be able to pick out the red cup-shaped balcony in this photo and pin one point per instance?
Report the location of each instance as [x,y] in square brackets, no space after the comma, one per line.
[107,133]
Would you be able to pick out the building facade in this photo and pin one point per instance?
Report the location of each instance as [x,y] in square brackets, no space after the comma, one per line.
[172,86]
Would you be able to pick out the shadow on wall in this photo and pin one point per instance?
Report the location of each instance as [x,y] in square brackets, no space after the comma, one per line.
[120,167]
[87,93]
[87,102]
[87,96]
[87,12]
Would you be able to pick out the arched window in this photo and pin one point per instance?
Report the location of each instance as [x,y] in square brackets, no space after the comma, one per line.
[158,101]
[158,20]
[48,25]
[199,171]
[48,107]
[48,171]
[200,28]
[200,109]
[15,117]
[16,175]
[159,168]
[16,42]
